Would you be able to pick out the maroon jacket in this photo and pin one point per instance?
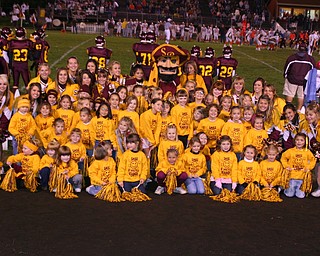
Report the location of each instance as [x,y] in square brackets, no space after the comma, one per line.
[297,66]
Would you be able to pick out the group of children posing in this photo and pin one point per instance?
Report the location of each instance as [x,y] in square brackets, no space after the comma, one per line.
[131,136]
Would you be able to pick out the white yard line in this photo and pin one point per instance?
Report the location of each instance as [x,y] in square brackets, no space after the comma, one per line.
[66,53]
[265,63]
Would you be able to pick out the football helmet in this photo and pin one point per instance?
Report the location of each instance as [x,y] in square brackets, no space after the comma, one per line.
[34,35]
[209,52]
[6,32]
[143,36]
[100,41]
[195,51]
[41,33]
[151,37]
[227,51]
[21,32]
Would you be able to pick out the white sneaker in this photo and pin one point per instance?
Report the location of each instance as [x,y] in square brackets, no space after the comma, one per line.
[316,193]
[54,190]
[180,190]
[159,190]
[77,190]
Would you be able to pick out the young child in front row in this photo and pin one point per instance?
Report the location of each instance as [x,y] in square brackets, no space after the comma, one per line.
[170,165]
[69,168]
[195,166]
[248,169]
[224,166]
[133,167]
[271,169]
[46,162]
[102,171]
[297,161]
[29,161]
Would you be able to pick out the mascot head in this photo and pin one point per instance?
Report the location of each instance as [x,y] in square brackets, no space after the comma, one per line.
[168,59]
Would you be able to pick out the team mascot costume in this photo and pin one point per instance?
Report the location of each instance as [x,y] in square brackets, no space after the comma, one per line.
[167,60]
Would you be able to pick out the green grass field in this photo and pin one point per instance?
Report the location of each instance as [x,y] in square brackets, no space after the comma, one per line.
[252,64]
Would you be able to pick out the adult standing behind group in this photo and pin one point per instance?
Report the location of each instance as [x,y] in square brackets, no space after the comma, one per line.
[295,70]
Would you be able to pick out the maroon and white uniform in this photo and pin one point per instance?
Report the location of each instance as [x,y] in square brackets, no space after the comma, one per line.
[18,52]
[207,69]
[42,48]
[143,51]
[100,54]
[226,69]
[3,51]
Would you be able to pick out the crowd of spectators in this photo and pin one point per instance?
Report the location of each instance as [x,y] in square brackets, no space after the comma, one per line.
[237,11]
[85,7]
[180,9]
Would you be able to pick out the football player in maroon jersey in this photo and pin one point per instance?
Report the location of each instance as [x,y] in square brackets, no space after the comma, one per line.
[207,66]
[19,50]
[5,36]
[143,50]
[41,48]
[99,53]
[226,67]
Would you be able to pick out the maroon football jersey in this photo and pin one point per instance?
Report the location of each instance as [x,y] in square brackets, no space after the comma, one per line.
[100,55]
[3,64]
[19,50]
[42,47]
[143,52]
[206,68]
[226,67]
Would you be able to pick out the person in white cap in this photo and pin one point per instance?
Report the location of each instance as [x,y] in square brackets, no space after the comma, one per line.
[167,32]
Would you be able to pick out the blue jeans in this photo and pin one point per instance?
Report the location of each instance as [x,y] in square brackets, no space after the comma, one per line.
[93,189]
[76,181]
[294,189]
[195,186]
[128,186]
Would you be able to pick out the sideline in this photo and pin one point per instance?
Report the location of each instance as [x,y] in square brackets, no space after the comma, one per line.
[66,53]
[265,63]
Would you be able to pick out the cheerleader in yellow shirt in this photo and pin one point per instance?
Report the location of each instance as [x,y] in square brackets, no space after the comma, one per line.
[132,103]
[297,161]
[256,135]
[29,160]
[224,166]
[103,125]
[271,169]
[211,126]
[133,167]
[236,130]
[171,141]
[78,150]
[102,171]
[195,166]
[65,112]
[46,162]
[248,169]
[171,165]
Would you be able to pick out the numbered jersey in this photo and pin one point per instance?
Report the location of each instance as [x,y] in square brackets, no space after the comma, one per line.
[143,51]
[19,50]
[41,49]
[100,55]
[226,69]
[207,69]
[3,62]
